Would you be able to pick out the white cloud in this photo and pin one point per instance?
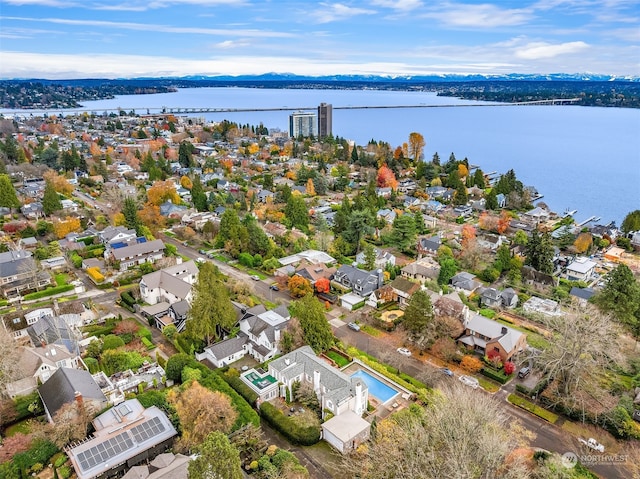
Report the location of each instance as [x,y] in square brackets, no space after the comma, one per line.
[138,6]
[43,3]
[148,27]
[401,5]
[538,50]
[338,12]
[230,44]
[484,15]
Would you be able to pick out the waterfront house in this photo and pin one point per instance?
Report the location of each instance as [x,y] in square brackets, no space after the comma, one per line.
[580,269]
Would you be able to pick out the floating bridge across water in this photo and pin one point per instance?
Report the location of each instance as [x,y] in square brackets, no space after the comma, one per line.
[164,110]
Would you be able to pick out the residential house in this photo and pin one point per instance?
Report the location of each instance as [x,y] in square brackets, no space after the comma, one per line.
[170,284]
[67,385]
[259,336]
[428,246]
[168,209]
[494,298]
[532,276]
[46,327]
[399,290]
[36,366]
[580,269]
[387,215]
[535,216]
[336,392]
[363,283]
[19,272]
[265,196]
[314,272]
[127,435]
[32,210]
[28,243]
[465,283]
[635,240]
[450,306]
[139,253]
[536,305]
[406,185]
[165,466]
[429,221]
[422,270]
[434,206]
[582,295]
[115,234]
[485,336]
[382,260]
[311,255]
[197,220]
[614,254]
[463,210]
[490,242]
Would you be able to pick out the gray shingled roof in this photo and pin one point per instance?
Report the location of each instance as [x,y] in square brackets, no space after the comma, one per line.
[61,387]
[228,346]
[138,249]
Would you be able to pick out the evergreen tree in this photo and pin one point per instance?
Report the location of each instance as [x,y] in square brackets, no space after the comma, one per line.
[185,154]
[369,257]
[354,155]
[211,311]
[403,233]
[296,212]
[436,159]
[198,196]
[478,178]
[8,197]
[631,222]
[130,212]
[621,296]
[448,269]
[50,199]
[491,200]
[258,240]
[419,314]
[539,252]
[313,322]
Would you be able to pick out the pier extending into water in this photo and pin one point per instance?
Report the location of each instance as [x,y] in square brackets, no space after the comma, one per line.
[164,110]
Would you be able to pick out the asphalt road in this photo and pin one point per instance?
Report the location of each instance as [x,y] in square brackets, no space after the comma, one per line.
[547,436]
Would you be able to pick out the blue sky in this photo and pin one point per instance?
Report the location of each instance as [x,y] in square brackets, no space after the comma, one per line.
[129,38]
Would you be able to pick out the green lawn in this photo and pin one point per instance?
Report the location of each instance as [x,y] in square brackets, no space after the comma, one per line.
[532,408]
[533,339]
[487,384]
[340,361]
[61,279]
[370,330]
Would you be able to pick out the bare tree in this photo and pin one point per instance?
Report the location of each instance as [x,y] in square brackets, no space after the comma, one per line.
[461,434]
[70,423]
[581,348]
[9,360]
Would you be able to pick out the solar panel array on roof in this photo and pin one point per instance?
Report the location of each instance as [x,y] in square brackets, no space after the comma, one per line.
[147,429]
[104,451]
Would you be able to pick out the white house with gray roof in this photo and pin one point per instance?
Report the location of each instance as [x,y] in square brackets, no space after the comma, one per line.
[171,284]
[363,283]
[259,336]
[336,392]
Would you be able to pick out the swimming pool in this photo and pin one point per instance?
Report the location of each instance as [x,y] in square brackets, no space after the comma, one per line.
[377,388]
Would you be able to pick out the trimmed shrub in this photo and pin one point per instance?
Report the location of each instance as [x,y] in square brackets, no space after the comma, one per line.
[95,274]
[495,375]
[297,434]
[147,343]
[145,333]
[175,365]
[92,364]
[127,298]
[48,292]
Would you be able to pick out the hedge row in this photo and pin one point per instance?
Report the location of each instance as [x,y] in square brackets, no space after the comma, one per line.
[48,292]
[147,344]
[289,427]
[233,380]
[495,375]
[127,298]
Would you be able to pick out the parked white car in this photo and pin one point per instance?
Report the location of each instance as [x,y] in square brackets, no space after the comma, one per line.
[469,381]
[592,444]
[404,351]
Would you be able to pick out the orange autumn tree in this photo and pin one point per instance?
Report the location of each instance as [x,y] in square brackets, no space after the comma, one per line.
[583,242]
[463,171]
[386,178]
[59,182]
[488,222]
[468,236]
[311,190]
[162,191]
[150,216]
[299,286]
[185,182]
[323,285]
[503,222]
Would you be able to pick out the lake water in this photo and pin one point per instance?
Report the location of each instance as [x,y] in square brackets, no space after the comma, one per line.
[581,158]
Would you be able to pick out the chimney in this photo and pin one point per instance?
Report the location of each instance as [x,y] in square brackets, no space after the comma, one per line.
[503,330]
[316,381]
[286,361]
[78,398]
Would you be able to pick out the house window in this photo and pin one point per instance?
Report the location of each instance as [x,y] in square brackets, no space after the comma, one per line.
[329,404]
[308,378]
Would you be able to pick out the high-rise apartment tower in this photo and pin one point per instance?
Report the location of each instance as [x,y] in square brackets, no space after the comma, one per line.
[325,117]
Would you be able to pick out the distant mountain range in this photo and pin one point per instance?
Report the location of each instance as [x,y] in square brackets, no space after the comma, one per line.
[415,78]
